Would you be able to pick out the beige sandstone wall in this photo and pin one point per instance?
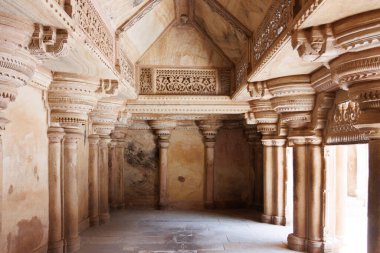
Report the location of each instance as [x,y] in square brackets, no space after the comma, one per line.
[141,169]
[25,175]
[232,165]
[185,169]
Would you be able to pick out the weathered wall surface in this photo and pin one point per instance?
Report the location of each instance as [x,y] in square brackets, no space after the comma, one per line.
[141,169]
[185,169]
[25,175]
[232,165]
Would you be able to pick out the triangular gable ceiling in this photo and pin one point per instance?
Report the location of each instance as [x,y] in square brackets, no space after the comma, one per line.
[249,12]
[184,46]
[147,27]
[232,41]
[118,11]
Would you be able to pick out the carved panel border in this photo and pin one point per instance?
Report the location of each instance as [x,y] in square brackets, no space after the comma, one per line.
[184,81]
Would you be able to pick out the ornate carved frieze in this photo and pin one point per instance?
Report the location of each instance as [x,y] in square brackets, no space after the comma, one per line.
[49,42]
[341,126]
[241,72]
[275,22]
[92,24]
[184,81]
[356,67]
[321,81]
[125,68]
[323,43]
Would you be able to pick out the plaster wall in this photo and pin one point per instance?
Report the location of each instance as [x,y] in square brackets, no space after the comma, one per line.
[232,165]
[24,212]
[141,169]
[185,169]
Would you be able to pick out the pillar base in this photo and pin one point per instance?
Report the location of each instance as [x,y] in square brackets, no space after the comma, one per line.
[279,220]
[73,244]
[55,247]
[104,218]
[314,246]
[296,243]
[94,221]
[266,218]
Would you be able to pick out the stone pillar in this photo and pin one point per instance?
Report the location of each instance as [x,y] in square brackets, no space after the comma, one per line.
[342,160]
[55,135]
[209,130]
[104,214]
[93,179]
[70,167]
[117,170]
[315,197]
[352,177]
[274,181]
[163,131]
[296,240]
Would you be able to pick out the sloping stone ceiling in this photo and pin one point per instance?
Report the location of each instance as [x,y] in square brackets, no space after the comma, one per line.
[249,12]
[191,49]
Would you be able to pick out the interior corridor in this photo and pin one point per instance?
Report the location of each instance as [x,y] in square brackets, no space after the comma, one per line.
[153,231]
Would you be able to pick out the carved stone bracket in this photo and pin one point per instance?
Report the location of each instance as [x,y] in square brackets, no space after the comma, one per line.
[323,43]
[49,42]
[108,87]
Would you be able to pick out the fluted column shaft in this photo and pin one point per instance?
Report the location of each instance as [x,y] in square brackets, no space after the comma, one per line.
[104,214]
[55,135]
[71,218]
[274,181]
[93,179]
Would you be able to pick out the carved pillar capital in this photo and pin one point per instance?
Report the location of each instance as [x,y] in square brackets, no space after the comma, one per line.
[163,129]
[93,139]
[55,134]
[266,118]
[71,98]
[293,99]
[252,134]
[104,117]
[16,64]
[209,130]
[72,135]
[273,142]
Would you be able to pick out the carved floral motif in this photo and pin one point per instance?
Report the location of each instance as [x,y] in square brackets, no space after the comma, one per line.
[91,22]
[275,22]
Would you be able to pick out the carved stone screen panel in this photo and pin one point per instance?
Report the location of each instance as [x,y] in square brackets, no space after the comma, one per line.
[167,81]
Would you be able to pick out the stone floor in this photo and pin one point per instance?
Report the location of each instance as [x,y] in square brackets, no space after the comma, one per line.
[151,231]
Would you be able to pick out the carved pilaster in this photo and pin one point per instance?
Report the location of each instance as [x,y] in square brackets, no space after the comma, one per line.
[104,214]
[209,130]
[162,129]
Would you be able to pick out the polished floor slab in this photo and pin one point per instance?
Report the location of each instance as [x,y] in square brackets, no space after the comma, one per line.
[153,231]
